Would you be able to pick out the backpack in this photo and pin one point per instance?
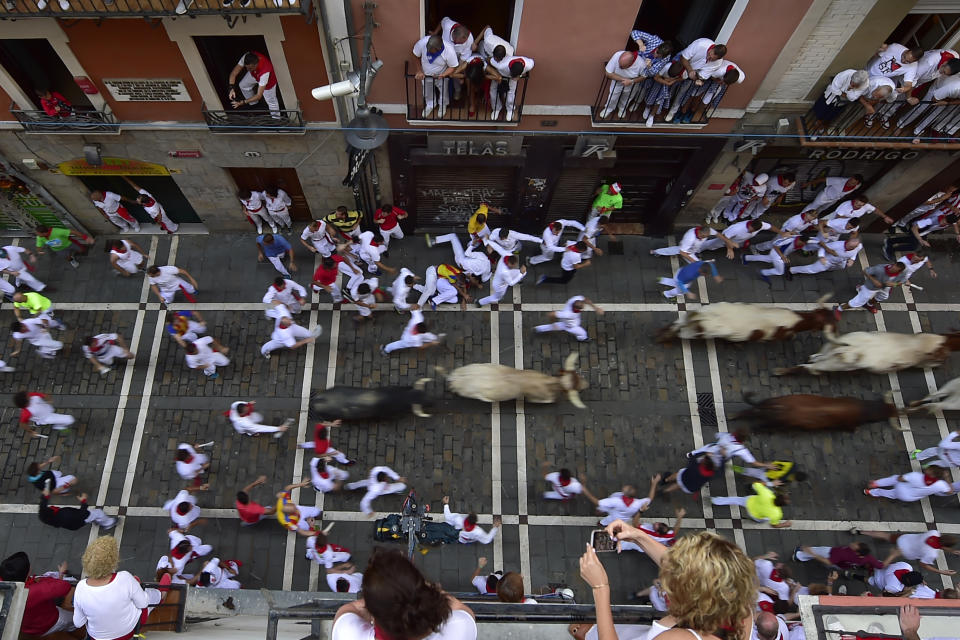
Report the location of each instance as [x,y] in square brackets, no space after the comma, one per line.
[388,529]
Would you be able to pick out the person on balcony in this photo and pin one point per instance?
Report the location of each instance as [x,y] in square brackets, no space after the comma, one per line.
[254,77]
[624,70]
[700,60]
[54,104]
[714,82]
[945,92]
[928,87]
[506,73]
[658,97]
[458,37]
[438,61]
[656,52]
[472,70]
[846,87]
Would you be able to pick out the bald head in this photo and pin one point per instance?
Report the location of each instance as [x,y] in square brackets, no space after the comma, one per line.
[767,626]
[626,59]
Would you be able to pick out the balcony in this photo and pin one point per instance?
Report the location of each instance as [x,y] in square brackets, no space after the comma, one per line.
[898,125]
[12,9]
[83,120]
[254,121]
[458,110]
[649,103]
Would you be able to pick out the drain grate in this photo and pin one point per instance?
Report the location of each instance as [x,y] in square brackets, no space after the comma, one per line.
[707,409]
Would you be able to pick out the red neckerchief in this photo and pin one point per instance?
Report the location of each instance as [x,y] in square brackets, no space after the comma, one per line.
[278,288]
[775,575]
[324,474]
[573,248]
[121,249]
[945,57]
[934,541]
[467,526]
[380,634]
[149,203]
[696,231]
[797,242]
[636,54]
[562,482]
[189,459]
[627,500]
[929,480]
[900,573]
[765,606]
[730,67]
[846,188]
[780,180]
[505,258]
[910,256]
[179,555]
[706,473]
[886,269]
[520,60]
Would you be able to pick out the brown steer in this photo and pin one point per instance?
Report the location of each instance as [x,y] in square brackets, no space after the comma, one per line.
[817,413]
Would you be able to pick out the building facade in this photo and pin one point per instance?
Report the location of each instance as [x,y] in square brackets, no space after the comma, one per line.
[148,84]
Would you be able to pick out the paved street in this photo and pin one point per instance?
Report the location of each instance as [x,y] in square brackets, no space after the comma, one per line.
[647,405]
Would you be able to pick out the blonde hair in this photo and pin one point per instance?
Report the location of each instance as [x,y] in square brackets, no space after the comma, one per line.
[709,582]
[101,557]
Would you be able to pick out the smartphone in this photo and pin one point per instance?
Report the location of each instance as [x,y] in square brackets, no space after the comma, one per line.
[601,541]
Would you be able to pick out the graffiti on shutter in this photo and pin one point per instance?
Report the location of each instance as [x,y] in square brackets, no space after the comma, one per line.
[448,197]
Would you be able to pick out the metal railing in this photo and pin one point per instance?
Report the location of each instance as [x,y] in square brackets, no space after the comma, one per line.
[485,612]
[82,120]
[254,120]
[10,9]
[897,122]
[463,101]
[650,102]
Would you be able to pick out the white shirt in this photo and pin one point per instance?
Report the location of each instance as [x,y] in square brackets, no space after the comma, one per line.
[846,210]
[696,53]
[843,255]
[634,70]
[219,577]
[721,70]
[14,260]
[354,579]
[446,58]
[189,470]
[886,578]
[280,203]
[503,67]
[109,611]
[491,41]
[571,258]
[840,86]
[318,236]
[796,224]
[947,88]
[480,583]
[927,68]
[168,278]
[691,244]
[914,546]
[567,315]
[775,189]
[104,342]
[286,295]
[129,258]
[505,275]
[410,335]
[254,202]
[879,81]
[616,507]
[400,289]
[931,223]
[202,357]
[837,227]
[457,521]
[564,490]
[155,209]
[833,190]
[888,63]
[110,202]
[368,298]
[739,232]
[182,520]
[464,50]
[459,626]
[910,268]
[35,330]
[725,447]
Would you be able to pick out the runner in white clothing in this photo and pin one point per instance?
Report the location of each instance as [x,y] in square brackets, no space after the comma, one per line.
[217,574]
[793,226]
[34,408]
[466,525]
[12,262]
[153,208]
[255,210]
[592,230]
[278,205]
[550,243]
[127,258]
[109,203]
[345,579]
[400,289]
[185,548]
[565,486]
[102,349]
[322,552]
[777,187]
[191,464]
[691,244]
[912,486]
[165,282]
[473,262]
[506,242]
[286,292]
[894,578]
[416,335]
[929,205]
[183,509]
[287,333]
[248,422]
[751,189]
[778,257]
[857,207]
[324,477]
[833,190]
[206,354]
[624,504]
[839,254]
[738,234]
[317,239]
[34,331]
[924,548]
[945,454]
[378,483]
[568,319]
[505,75]
[508,274]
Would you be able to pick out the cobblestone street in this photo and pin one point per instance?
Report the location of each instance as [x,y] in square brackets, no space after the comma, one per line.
[648,404]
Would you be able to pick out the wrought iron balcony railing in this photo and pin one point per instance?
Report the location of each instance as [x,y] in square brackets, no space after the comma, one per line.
[651,102]
[10,9]
[462,101]
[254,121]
[81,120]
[899,123]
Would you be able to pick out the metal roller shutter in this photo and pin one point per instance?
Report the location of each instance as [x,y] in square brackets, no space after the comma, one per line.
[573,194]
[447,196]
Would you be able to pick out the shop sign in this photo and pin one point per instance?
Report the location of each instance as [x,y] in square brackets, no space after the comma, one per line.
[475,146]
[861,154]
[112,167]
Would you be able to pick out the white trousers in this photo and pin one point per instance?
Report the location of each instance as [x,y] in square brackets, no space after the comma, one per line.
[446,292]
[432,86]
[249,85]
[546,254]
[336,474]
[818,267]
[253,425]
[945,456]
[59,421]
[386,234]
[25,277]
[217,359]
[281,217]
[260,216]
[7,287]
[296,330]
[164,220]
[429,286]
[495,296]
[168,294]
[374,490]
[474,263]
[865,295]
[576,330]
[820,202]
[891,487]
[111,353]
[46,345]
[97,516]
[674,291]
[277,262]
[123,223]
[619,96]
[335,292]
[496,104]
[803,556]
[673,251]
[774,259]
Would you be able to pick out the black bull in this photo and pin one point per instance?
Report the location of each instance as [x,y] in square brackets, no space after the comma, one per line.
[356,403]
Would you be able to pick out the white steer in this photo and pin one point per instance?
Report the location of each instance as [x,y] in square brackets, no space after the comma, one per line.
[497,383]
[879,352]
[742,322]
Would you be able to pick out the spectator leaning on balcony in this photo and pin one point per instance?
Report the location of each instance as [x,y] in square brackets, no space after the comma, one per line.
[846,87]
[715,85]
[880,94]
[490,45]
[657,97]
[624,69]
[898,64]
[700,59]
[255,79]
[438,61]
[506,72]
[54,104]
[942,93]
[459,38]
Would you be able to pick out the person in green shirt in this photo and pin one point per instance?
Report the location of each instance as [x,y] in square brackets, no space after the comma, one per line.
[37,306]
[607,199]
[61,239]
[763,506]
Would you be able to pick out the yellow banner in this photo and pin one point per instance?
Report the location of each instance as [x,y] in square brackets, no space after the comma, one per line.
[112,167]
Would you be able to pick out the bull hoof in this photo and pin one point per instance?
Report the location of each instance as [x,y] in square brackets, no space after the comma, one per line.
[783,371]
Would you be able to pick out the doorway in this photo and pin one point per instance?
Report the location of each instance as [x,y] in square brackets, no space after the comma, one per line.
[258,179]
[35,66]
[472,14]
[682,21]
[163,188]
[220,55]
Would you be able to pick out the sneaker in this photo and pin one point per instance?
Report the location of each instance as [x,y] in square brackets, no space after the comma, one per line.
[383,351]
[913,454]
[868,122]
[442,112]
[266,356]
[670,115]
[885,124]
[433,305]
[273,228]
[429,241]
[541,280]
[213,376]
[426,113]
[854,531]
[649,121]
[646,112]
[104,371]
[113,523]
[74,263]
[605,112]
[872,309]
[317,332]
[794,556]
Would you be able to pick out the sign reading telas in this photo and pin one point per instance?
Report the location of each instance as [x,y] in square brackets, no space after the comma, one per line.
[475,146]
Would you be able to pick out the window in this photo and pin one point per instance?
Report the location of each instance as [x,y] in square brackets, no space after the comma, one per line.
[220,55]
[682,21]
[35,66]
[927,30]
[474,15]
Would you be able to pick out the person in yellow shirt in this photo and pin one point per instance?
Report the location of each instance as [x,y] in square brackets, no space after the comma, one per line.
[37,306]
[763,506]
[477,225]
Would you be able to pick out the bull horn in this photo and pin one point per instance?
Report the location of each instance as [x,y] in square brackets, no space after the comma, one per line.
[571,362]
[419,412]
[421,383]
[440,370]
[575,400]
[824,298]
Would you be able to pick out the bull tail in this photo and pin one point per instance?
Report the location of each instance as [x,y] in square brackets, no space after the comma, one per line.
[419,412]
[894,419]
[421,383]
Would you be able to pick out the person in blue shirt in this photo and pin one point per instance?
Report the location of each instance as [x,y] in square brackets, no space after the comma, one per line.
[273,248]
[688,274]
